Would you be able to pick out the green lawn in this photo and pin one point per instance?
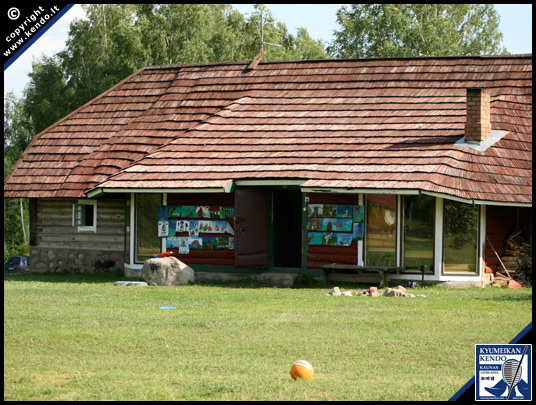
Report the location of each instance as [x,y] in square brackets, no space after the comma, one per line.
[82,338]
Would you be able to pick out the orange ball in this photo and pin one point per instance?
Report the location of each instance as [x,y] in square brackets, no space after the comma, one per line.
[302,369]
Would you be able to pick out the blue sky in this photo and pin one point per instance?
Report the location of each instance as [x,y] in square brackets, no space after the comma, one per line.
[319,20]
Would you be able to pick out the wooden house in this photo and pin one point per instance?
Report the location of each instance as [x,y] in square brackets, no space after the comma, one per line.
[370,163]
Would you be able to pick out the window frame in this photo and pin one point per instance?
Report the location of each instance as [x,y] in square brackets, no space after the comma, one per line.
[79,216]
[477,259]
[137,255]
[367,243]
[403,241]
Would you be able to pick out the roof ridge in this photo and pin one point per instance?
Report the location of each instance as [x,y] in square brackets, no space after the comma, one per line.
[265,61]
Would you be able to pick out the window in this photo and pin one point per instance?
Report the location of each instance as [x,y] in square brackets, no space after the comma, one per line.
[85,215]
[460,237]
[418,242]
[147,240]
[381,230]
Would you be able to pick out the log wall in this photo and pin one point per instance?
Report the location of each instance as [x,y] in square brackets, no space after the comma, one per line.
[57,246]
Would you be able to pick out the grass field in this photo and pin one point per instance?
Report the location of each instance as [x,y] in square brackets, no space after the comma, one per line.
[82,338]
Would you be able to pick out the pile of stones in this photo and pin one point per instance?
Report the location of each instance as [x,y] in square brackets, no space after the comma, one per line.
[373,292]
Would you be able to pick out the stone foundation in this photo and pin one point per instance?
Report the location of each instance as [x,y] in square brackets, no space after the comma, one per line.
[74,260]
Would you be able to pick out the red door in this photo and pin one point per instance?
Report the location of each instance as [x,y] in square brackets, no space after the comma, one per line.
[252,228]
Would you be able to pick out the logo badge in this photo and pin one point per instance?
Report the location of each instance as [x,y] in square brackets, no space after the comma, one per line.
[503,372]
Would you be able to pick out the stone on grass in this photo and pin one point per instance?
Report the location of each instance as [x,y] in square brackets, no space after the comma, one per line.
[167,271]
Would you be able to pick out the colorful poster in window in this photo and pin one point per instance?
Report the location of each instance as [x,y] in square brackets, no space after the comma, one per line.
[180,243]
[182,226]
[329,211]
[222,242]
[334,225]
[215,211]
[344,239]
[314,238]
[343,225]
[172,227]
[174,212]
[227,212]
[194,228]
[205,226]
[162,213]
[189,221]
[228,228]
[329,239]
[359,213]
[195,243]
[359,231]
[314,224]
[185,244]
[172,242]
[329,224]
[215,242]
[184,249]
[204,210]
[345,211]
[188,211]
[315,210]
[163,228]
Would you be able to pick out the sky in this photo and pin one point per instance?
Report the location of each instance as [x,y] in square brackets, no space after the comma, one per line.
[319,19]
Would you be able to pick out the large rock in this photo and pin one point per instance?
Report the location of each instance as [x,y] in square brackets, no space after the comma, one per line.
[166,271]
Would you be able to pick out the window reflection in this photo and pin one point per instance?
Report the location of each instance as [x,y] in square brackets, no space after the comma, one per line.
[418,243]
[381,230]
[147,241]
[460,237]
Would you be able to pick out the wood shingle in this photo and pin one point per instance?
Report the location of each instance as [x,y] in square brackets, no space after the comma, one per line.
[357,124]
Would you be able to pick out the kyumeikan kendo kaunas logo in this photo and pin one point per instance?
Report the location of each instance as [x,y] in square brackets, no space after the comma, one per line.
[503,372]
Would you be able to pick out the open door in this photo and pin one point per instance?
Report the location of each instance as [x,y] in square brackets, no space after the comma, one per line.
[252,228]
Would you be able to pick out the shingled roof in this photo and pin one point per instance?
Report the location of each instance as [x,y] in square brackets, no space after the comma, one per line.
[336,124]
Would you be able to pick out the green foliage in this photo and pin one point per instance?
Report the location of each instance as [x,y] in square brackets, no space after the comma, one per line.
[47,98]
[17,131]
[404,30]
[79,337]
[118,39]
[461,224]
[16,137]
[14,241]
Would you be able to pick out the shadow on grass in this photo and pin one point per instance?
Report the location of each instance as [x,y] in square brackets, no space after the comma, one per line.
[91,278]
[117,275]
[302,282]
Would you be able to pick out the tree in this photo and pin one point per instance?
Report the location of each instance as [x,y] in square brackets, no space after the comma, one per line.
[118,39]
[17,131]
[47,98]
[16,137]
[405,30]
[101,51]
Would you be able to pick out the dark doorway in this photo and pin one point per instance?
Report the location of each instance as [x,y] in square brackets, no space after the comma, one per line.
[287,226]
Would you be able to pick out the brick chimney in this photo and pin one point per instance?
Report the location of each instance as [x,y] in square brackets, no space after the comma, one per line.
[478,122]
